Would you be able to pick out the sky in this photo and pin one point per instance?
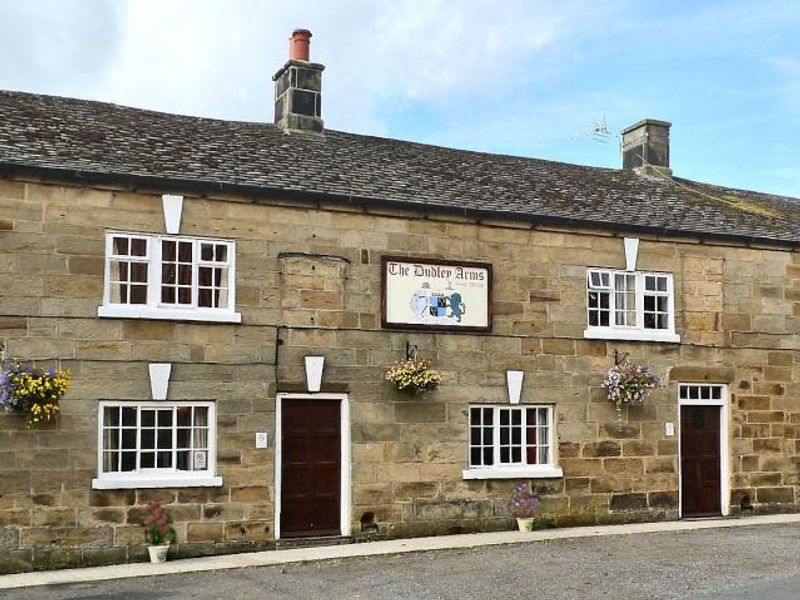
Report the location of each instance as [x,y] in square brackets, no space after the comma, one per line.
[523,77]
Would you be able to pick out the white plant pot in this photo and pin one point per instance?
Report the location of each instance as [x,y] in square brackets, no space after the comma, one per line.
[525,524]
[158,553]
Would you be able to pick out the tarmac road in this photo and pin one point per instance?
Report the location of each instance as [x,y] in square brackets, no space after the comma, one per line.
[755,562]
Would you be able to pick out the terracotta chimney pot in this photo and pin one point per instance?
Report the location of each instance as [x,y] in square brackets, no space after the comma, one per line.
[299,45]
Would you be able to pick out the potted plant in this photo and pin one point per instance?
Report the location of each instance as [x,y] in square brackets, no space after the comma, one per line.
[629,384]
[414,376]
[523,505]
[158,531]
[33,391]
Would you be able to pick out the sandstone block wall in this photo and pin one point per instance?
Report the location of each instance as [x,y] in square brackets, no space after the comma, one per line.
[308,282]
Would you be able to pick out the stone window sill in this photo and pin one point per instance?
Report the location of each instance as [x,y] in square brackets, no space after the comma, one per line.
[634,335]
[143,311]
[529,472]
[154,482]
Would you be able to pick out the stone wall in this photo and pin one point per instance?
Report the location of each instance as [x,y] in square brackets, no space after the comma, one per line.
[308,282]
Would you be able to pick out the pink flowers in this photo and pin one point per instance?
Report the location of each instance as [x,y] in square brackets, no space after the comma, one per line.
[157,528]
[628,383]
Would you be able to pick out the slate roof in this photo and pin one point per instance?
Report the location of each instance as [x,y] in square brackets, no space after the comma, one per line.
[100,142]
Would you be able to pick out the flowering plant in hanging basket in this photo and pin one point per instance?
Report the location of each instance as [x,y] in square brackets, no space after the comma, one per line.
[414,376]
[629,384]
[32,390]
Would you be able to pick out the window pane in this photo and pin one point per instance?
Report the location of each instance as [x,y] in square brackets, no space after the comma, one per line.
[504,435]
[185,252]
[129,439]
[138,294]
[120,246]
[182,459]
[148,438]
[138,247]
[488,434]
[139,272]
[111,439]
[475,436]
[221,253]
[168,250]
[185,415]
[148,460]
[128,461]
[184,438]
[128,416]
[207,252]
[204,298]
[111,416]
[110,462]
[488,456]
[164,460]
[168,273]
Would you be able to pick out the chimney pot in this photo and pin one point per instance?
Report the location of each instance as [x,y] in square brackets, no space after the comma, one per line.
[299,45]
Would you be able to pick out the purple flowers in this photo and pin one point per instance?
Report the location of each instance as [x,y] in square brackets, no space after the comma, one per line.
[628,383]
[523,504]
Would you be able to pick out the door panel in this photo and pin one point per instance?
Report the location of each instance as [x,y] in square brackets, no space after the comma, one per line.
[310,468]
[700,461]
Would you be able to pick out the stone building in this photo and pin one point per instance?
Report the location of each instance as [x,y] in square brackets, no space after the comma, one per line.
[183,269]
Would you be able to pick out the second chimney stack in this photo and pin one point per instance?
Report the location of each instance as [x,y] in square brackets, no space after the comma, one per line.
[645,147]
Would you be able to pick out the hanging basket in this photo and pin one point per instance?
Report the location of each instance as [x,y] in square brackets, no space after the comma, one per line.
[629,384]
[33,391]
[414,376]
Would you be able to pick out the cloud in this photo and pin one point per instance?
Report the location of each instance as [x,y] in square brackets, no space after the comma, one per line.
[58,47]
[211,58]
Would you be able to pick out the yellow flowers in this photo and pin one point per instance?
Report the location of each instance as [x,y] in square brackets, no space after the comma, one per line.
[414,375]
[33,390]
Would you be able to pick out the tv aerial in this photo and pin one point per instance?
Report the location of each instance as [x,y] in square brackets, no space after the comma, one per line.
[599,133]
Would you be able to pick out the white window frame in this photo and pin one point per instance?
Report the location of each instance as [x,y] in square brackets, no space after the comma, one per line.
[684,399]
[514,470]
[154,308]
[637,332]
[157,477]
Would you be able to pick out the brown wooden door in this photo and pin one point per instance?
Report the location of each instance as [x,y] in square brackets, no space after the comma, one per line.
[700,461]
[310,468]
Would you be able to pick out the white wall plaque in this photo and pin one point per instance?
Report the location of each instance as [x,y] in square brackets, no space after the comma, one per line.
[314,366]
[631,253]
[514,382]
[173,208]
[159,380]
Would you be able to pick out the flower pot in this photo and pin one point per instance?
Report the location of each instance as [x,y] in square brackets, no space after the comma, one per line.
[158,553]
[525,524]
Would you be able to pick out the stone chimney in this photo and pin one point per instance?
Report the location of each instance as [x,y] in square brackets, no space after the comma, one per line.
[298,88]
[645,147]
